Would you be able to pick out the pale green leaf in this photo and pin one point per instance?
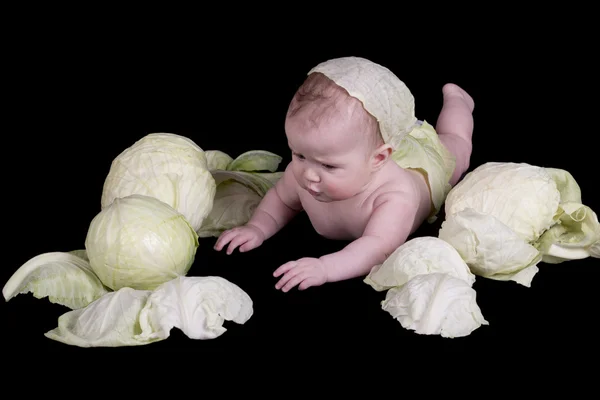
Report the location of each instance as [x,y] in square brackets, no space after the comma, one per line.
[63,277]
[217,159]
[110,321]
[255,160]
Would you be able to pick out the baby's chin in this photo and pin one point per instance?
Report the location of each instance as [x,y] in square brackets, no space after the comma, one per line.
[323,198]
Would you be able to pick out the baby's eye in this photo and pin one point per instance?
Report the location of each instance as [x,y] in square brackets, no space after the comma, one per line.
[327,166]
[300,156]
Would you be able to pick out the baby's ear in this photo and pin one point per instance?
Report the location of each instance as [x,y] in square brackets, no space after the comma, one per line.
[381,155]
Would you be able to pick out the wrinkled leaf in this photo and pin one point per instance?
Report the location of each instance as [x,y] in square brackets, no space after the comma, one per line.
[198,306]
[64,277]
[575,236]
[435,304]
[110,321]
[490,248]
[233,206]
[523,197]
[421,255]
[567,185]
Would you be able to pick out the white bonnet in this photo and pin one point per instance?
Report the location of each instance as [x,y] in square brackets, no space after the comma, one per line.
[382,94]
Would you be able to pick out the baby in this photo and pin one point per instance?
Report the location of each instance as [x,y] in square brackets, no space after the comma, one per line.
[363,168]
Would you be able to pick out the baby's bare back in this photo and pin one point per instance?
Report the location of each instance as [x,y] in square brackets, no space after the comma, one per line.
[347,220]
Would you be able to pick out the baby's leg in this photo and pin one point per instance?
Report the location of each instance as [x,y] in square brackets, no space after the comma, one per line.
[455,127]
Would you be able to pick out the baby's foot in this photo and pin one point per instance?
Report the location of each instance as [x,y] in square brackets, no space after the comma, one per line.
[451,90]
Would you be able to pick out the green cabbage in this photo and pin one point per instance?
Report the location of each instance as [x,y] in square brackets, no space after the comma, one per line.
[169,167]
[128,286]
[506,218]
[140,242]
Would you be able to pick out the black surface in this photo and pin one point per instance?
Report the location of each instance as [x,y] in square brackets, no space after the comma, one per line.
[74,107]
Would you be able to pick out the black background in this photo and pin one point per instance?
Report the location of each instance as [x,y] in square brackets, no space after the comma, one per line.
[79,93]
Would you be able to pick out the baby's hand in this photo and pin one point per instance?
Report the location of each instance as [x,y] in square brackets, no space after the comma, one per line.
[248,237]
[306,271]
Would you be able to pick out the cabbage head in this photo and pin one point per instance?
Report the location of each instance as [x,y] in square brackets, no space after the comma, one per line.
[506,218]
[140,242]
[169,167]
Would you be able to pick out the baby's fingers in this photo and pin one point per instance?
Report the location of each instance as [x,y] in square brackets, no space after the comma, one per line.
[238,240]
[224,239]
[308,282]
[249,245]
[284,268]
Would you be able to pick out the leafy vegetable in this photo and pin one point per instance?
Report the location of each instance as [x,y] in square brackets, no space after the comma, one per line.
[169,167]
[421,255]
[65,278]
[110,321]
[429,288]
[128,286]
[241,184]
[421,150]
[521,196]
[491,248]
[575,235]
[140,242]
[198,306]
[435,304]
[505,218]
[129,317]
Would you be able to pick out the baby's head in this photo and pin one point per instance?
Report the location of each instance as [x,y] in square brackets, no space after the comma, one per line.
[319,102]
[336,144]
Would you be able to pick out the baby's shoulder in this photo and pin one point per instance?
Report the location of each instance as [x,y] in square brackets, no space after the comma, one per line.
[398,179]
[400,185]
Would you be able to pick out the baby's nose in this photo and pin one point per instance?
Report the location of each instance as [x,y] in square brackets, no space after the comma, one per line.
[311,175]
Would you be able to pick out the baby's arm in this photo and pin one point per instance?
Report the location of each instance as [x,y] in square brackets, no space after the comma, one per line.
[278,207]
[389,226]
[275,210]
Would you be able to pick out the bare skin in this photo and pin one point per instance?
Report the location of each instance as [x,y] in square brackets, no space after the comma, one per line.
[350,190]
[455,127]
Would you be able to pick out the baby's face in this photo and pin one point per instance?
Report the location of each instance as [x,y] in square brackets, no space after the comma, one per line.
[331,159]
